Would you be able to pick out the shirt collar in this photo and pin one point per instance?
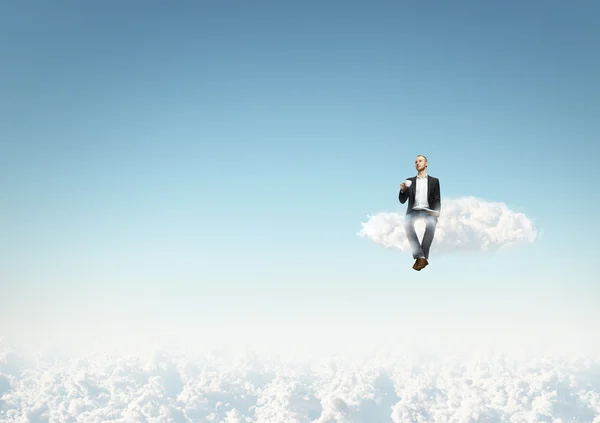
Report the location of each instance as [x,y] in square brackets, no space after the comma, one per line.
[422,177]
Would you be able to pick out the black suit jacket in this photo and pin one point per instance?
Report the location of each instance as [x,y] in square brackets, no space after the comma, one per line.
[433,194]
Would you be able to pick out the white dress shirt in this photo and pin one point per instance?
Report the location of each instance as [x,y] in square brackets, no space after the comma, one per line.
[421,193]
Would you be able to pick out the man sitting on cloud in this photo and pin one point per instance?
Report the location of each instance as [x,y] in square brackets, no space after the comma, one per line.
[424,202]
[468,224]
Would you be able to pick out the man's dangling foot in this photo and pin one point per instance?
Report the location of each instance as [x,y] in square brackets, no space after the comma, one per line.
[415,265]
[420,263]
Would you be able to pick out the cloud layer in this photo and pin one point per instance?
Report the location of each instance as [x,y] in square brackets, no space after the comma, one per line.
[246,388]
[465,224]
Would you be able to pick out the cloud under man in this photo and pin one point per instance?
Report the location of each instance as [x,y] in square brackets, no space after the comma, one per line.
[465,224]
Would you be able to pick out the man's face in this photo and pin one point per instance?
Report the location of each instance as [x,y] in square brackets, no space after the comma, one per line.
[420,163]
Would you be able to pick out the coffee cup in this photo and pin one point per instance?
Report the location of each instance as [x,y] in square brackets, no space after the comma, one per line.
[408,183]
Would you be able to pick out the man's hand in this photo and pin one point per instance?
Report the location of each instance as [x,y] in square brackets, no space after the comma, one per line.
[403,187]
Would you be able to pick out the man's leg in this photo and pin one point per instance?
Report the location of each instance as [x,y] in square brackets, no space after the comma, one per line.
[411,234]
[430,225]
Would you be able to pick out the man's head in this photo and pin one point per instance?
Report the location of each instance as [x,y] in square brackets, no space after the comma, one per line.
[421,163]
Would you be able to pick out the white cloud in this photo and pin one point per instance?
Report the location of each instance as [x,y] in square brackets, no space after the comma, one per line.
[253,389]
[465,224]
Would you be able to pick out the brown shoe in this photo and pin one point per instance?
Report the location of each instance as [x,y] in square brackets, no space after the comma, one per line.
[420,263]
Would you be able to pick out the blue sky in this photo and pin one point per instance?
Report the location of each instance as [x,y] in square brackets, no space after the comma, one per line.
[210,163]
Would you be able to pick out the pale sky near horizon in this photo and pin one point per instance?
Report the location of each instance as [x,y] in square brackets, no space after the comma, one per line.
[204,168]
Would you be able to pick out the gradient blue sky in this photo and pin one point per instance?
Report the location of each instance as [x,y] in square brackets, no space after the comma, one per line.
[210,163]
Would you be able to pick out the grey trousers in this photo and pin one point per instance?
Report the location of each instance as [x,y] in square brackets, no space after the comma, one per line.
[422,249]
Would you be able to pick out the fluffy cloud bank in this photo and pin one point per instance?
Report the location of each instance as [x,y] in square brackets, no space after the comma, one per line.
[229,389]
[465,224]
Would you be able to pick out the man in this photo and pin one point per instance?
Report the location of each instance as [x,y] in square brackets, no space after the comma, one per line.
[424,202]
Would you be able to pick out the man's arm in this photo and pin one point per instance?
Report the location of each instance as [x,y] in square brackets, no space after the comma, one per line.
[403,196]
[437,198]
